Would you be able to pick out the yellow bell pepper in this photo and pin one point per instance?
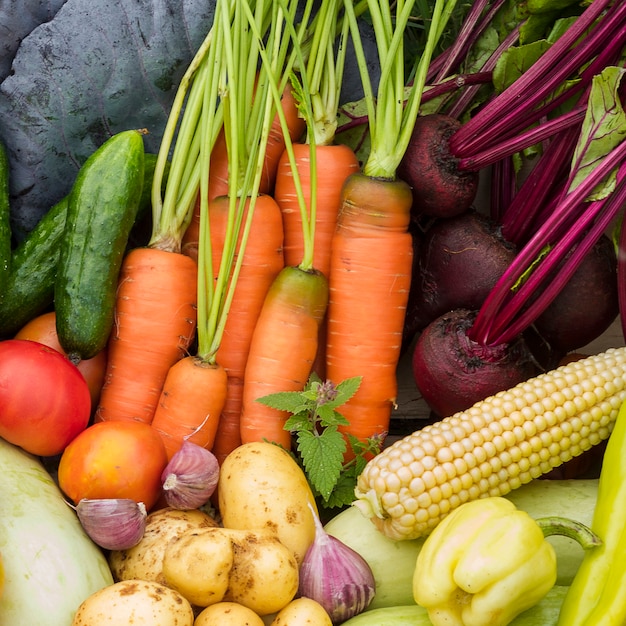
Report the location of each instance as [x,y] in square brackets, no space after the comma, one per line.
[486,562]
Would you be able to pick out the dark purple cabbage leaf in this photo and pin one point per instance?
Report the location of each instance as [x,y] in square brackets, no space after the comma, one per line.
[92,70]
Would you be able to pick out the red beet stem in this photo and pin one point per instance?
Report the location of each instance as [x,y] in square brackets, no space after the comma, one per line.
[524,140]
[503,116]
[495,315]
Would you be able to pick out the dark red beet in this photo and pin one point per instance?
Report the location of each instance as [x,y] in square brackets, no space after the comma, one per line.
[453,372]
[457,263]
[587,305]
[440,189]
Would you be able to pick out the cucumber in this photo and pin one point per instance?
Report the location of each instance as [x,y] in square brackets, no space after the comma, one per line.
[29,288]
[5,216]
[101,211]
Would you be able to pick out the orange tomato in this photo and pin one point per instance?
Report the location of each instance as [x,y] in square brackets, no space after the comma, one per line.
[43,329]
[118,459]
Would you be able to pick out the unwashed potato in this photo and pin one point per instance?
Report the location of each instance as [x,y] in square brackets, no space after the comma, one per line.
[198,563]
[302,612]
[145,560]
[265,573]
[136,602]
[261,486]
[228,614]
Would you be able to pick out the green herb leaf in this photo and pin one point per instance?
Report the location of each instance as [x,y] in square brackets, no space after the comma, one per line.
[343,493]
[346,389]
[291,401]
[322,457]
[329,417]
[299,422]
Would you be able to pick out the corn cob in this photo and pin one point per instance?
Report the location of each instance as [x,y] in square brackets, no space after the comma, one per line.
[493,447]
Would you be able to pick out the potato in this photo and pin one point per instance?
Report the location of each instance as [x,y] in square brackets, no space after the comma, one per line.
[228,614]
[198,563]
[136,602]
[261,486]
[265,574]
[145,560]
[302,612]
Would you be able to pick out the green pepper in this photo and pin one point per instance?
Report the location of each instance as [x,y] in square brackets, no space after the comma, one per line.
[597,596]
[487,561]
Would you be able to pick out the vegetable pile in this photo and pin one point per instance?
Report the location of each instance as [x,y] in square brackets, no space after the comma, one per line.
[214,323]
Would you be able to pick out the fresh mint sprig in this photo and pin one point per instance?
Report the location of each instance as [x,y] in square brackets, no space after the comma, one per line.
[320,447]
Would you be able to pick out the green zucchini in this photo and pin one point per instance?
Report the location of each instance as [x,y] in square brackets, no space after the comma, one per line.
[393,562]
[30,285]
[5,216]
[50,564]
[545,613]
[101,211]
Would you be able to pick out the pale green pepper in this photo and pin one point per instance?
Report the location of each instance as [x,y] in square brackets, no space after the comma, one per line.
[487,562]
[597,596]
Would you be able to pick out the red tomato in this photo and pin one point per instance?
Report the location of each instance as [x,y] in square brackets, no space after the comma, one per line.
[43,329]
[117,459]
[44,399]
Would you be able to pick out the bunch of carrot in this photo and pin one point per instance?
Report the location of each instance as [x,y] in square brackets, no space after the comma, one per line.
[272,255]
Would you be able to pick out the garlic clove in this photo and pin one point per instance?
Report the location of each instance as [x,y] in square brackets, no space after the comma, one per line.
[190,478]
[336,576]
[113,523]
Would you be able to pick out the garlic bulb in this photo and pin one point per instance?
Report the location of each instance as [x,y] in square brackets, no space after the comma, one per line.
[190,478]
[113,523]
[336,576]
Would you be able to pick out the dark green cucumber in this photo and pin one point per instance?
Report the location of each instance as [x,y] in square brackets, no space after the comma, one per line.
[29,288]
[5,216]
[101,211]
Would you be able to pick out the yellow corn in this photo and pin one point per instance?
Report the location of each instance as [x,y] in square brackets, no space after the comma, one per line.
[495,446]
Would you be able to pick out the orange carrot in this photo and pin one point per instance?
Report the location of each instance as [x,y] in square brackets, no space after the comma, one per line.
[334,163]
[284,345]
[262,261]
[372,249]
[154,326]
[230,250]
[369,284]
[192,381]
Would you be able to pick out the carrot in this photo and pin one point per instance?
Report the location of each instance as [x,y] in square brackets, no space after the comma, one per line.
[371,250]
[262,261]
[319,182]
[155,321]
[155,311]
[192,381]
[334,163]
[286,336]
[284,345]
[225,262]
[370,277]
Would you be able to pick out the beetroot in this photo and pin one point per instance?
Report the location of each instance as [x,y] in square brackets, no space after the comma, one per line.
[458,262]
[440,189]
[588,303]
[453,372]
